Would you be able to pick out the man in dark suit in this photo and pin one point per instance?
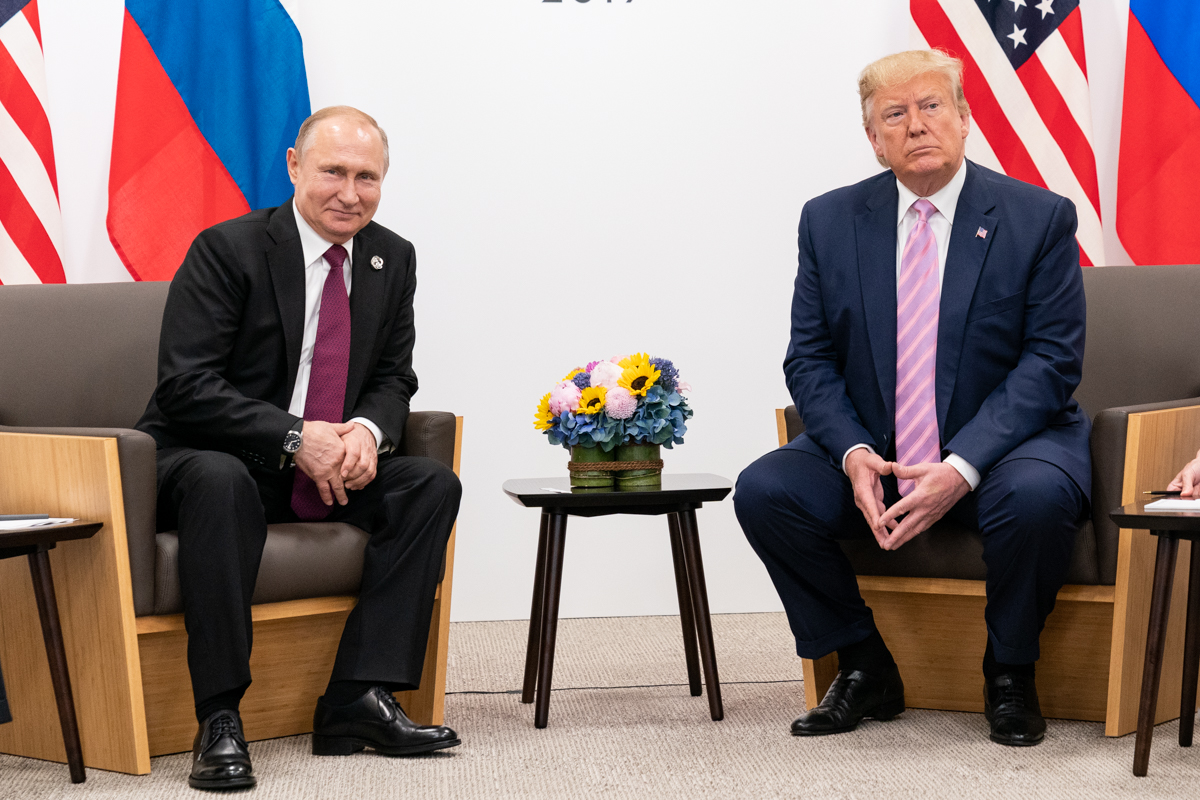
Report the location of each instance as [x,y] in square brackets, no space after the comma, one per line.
[937,337]
[284,378]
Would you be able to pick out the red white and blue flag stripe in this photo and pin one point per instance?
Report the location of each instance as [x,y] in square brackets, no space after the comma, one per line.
[210,94]
[1158,179]
[30,222]
[1026,80]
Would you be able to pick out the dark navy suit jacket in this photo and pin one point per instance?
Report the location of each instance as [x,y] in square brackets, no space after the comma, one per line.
[1010,327]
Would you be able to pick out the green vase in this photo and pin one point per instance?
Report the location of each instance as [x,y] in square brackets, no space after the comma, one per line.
[592,479]
[638,478]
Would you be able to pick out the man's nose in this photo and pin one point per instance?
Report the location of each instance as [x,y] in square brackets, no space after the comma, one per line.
[347,193]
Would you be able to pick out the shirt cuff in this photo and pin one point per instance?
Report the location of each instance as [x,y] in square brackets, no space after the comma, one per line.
[969,473]
[382,445]
[866,447]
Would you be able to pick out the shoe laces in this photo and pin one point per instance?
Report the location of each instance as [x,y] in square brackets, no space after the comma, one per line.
[224,725]
[1012,694]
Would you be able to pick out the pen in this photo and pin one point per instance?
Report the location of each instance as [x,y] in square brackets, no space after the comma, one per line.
[12,517]
[1165,492]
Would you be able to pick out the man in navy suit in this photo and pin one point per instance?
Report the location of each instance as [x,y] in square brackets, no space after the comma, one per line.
[937,338]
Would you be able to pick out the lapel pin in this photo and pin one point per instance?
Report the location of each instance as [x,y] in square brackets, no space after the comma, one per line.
[377,262]
[979,234]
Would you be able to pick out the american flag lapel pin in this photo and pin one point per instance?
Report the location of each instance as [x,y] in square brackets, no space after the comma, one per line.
[981,233]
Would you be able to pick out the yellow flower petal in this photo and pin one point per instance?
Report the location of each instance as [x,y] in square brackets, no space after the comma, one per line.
[543,420]
[592,400]
[638,378]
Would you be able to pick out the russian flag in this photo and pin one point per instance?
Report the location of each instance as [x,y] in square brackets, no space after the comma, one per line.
[210,94]
[1158,199]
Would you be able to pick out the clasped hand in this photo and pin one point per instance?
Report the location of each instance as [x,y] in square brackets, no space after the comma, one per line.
[337,456]
[938,487]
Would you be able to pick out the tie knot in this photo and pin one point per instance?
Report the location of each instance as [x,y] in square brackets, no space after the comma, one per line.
[336,256]
[924,208]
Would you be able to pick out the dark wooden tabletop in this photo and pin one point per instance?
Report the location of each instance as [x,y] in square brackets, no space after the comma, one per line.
[48,534]
[686,490]
[1185,524]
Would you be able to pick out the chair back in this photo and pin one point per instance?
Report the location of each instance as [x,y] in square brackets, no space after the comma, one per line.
[78,355]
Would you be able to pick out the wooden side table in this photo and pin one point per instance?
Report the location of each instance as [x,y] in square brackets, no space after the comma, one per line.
[678,498]
[1169,527]
[35,543]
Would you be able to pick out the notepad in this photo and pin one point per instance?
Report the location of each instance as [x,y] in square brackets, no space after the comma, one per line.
[21,524]
[1173,504]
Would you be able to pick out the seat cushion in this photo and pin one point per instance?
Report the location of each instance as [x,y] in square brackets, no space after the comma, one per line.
[951,550]
[300,560]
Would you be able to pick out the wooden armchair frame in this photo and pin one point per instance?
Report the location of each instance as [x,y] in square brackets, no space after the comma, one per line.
[1094,642]
[129,674]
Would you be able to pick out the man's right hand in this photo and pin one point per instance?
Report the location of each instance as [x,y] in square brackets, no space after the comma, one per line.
[864,468]
[320,457]
[1187,482]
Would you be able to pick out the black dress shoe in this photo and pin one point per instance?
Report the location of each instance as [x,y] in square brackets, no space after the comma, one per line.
[220,759]
[1010,703]
[850,698]
[374,720]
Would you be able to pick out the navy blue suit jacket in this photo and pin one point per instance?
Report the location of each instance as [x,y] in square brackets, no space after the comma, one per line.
[1010,327]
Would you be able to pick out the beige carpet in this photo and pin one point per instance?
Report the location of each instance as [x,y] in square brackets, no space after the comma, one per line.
[654,740]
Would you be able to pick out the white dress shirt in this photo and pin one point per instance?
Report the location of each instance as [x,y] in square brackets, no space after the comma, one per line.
[941,222]
[316,270]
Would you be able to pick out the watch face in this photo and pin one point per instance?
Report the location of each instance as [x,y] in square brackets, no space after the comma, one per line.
[291,442]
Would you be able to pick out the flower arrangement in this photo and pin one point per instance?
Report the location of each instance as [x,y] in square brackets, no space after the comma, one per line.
[633,399]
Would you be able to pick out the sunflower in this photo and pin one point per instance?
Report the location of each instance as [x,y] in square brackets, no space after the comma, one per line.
[635,360]
[638,378]
[543,420]
[571,375]
[592,401]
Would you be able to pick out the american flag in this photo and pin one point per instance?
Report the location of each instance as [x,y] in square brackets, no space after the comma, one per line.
[1025,77]
[30,223]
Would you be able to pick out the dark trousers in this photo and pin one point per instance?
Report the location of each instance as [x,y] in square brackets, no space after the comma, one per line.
[221,511]
[5,716]
[794,506]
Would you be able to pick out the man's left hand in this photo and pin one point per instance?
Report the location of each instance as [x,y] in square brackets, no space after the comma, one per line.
[939,487]
[362,457]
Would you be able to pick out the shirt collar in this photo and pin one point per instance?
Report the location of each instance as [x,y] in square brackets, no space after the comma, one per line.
[945,200]
[312,242]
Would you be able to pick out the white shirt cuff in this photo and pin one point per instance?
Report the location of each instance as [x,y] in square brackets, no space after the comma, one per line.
[381,443]
[969,473]
[866,447]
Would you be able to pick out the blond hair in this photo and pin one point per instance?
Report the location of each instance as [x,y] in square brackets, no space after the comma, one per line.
[901,68]
[309,126]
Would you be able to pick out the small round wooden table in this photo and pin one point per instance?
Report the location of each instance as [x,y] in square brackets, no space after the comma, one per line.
[678,498]
[35,543]
[1169,527]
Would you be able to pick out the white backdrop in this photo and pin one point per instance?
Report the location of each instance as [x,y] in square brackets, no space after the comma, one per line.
[579,179]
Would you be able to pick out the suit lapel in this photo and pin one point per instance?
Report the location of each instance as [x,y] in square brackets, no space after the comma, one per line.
[367,295]
[286,263]
[964,262]
[875,234]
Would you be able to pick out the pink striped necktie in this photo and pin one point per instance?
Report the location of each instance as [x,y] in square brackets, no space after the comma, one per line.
[327,378]
[916,347]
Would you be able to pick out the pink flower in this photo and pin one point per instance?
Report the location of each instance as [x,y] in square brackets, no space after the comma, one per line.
[619,403]
[564,397]
[683,386]
[619,359]
[590,366]
[605,374]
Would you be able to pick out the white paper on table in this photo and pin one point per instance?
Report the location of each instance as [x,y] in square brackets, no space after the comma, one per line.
[1173,504]
[20,524]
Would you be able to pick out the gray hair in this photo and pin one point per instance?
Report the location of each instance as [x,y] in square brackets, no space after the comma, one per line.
[309,126]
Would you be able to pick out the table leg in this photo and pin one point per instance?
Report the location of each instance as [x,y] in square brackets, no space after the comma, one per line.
[695,567]
[686,617]
[532,651]
[1160,601]
[556,540]
[1191,653]
[47,603]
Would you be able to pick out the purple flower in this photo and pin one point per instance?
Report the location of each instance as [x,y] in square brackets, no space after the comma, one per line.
[668,377]
[583,380]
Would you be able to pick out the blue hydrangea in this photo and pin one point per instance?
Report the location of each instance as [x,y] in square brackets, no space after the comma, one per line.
[669,377]
[583,380]
[660,419]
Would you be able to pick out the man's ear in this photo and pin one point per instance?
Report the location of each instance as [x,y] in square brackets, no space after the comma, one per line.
[874,140]
[293,165]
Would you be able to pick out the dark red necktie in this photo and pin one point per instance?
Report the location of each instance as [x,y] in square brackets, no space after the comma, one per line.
[327,379]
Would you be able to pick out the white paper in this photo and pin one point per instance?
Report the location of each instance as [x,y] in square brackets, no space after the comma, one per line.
[19,524]
[1173,504]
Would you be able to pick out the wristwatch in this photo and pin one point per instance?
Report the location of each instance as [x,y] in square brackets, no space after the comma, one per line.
[293,438]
